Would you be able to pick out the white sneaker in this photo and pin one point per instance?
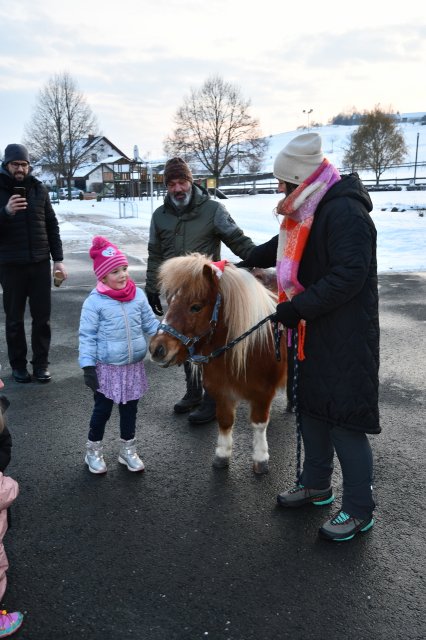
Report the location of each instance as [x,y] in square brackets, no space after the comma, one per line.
[94,458]
[129,456]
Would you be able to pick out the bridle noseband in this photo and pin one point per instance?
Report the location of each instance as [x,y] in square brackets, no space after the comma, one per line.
[190,343]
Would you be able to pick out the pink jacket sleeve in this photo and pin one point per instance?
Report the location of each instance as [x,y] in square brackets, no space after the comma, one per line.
[9,490]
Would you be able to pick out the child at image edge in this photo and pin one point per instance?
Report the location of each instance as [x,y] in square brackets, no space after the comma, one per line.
[9,489]
[112,347]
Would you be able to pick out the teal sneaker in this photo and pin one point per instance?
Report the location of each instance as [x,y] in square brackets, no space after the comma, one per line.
[342,527]
[300,495]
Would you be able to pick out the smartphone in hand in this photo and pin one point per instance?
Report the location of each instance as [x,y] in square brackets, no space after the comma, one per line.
[20,191]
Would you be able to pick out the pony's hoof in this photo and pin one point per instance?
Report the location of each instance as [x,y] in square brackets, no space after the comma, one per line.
[220,463]
[261,468]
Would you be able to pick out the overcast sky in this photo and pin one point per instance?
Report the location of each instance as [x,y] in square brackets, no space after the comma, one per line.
[135,61]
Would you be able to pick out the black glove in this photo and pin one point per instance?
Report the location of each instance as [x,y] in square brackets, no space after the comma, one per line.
[155,304]
[91,378]
[287,315]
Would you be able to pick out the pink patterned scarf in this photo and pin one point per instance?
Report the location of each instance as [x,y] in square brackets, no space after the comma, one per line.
[298,210]
[122,295]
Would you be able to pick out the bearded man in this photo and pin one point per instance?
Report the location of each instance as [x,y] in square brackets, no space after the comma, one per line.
[189,221]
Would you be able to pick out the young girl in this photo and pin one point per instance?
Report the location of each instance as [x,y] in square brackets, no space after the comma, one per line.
[113,320]
[9,489]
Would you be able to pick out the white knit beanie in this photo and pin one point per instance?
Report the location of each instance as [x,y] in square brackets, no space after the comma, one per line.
[299,159]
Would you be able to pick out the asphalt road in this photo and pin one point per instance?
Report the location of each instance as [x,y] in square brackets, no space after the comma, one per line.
[188,552]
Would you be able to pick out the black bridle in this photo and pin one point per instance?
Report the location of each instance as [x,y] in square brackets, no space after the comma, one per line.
[190,343]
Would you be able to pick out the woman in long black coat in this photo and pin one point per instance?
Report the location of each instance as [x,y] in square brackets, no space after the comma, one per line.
[328,283]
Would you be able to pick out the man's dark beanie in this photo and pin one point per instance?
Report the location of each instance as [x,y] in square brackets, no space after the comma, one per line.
[177,169]
[15,152]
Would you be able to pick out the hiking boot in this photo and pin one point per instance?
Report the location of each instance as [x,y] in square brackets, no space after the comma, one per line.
[189,401]
[9,622]
[300,495]
[94,458]
[205,413]
[343,527]
[129,456]
[194,390]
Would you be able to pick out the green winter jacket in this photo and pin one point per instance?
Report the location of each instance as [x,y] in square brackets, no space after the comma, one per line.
[201,227]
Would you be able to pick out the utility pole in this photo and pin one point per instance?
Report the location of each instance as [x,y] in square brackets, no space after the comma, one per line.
[415,161]
[151,188]
[307,111]
[151,181]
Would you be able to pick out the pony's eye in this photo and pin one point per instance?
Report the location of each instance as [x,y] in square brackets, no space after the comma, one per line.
[196,308]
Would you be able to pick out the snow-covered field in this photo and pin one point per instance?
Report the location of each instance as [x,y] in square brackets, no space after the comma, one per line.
[401,234]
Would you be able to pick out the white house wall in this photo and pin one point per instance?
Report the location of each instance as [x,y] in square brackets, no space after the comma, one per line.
[95,176]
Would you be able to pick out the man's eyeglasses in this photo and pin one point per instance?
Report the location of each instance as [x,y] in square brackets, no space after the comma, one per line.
[22,165]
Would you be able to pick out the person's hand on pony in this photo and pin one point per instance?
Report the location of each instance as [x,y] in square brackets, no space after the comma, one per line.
[287,315]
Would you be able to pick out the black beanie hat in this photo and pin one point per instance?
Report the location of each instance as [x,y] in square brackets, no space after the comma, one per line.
[177,169]
[15,152]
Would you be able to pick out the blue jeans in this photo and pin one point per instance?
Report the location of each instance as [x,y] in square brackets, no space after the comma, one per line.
[320,441]
[102,413]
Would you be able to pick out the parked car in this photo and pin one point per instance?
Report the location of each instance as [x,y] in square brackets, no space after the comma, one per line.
[75,193]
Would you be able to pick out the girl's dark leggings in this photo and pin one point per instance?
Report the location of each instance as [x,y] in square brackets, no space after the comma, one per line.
[102,413]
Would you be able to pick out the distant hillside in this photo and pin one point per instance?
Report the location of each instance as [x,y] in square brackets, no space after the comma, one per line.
[336,137]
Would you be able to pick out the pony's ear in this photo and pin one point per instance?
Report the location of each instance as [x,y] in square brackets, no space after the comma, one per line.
[209,274]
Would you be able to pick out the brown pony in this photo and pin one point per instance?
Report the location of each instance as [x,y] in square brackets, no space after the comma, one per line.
[207,309]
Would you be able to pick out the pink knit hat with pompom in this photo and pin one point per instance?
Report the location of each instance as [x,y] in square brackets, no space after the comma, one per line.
[106,256]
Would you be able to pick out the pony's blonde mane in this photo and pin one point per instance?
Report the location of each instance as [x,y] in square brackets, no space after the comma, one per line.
[245,300]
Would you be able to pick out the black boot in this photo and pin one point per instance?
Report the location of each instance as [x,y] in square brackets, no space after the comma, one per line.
[194,391]
[206,412]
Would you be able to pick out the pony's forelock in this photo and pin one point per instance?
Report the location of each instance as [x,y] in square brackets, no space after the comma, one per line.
[184,274]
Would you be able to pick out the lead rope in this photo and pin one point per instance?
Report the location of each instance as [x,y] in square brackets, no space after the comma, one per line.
[196,359]
[295,338]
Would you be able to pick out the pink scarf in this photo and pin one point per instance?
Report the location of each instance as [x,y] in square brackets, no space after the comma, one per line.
[298,210]
[122,295]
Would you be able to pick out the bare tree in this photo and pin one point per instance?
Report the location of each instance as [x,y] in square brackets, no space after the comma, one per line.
[214,128]
[350,158]
[377,144]
[61,124]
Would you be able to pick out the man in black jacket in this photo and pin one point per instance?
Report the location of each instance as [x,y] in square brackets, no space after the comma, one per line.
[29,237]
